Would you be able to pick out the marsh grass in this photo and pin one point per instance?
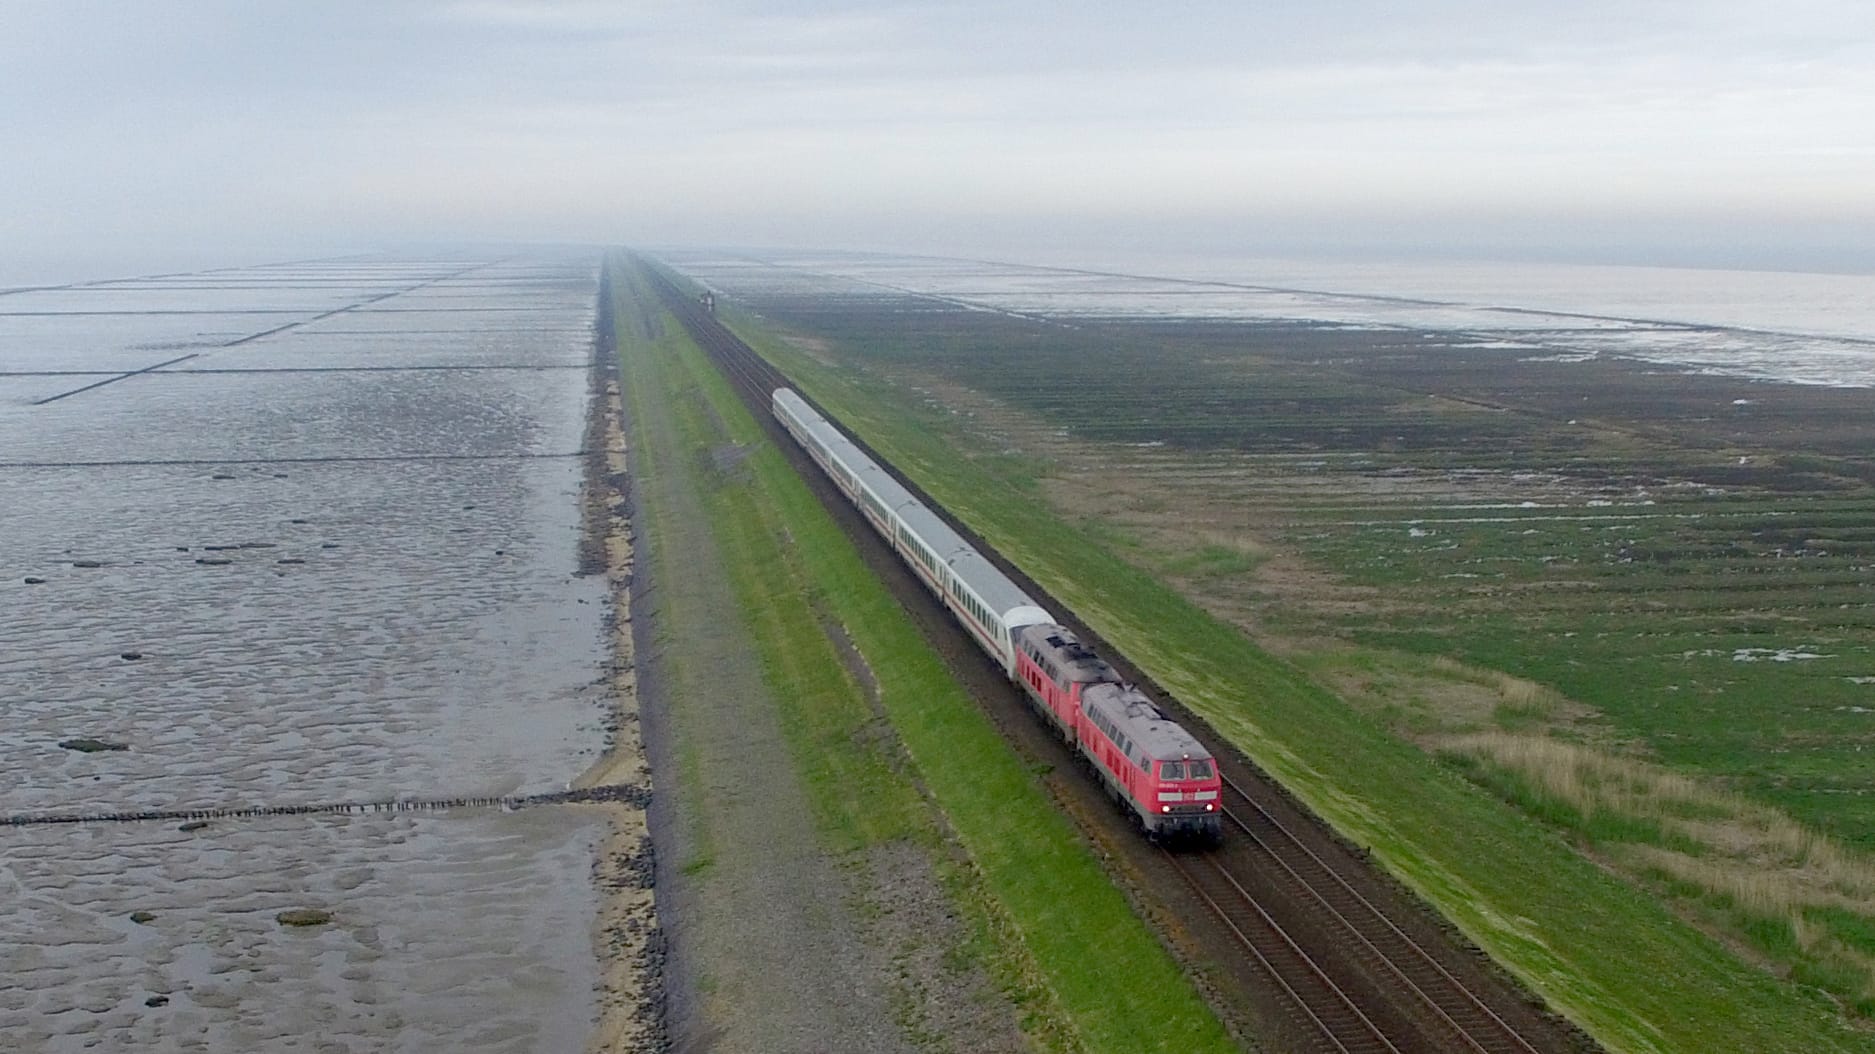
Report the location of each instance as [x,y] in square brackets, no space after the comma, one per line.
[1803,902]
[1800,898]
[1212,561]
[1596,947]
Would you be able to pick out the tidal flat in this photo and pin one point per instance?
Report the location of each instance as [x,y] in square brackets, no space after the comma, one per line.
[296,535]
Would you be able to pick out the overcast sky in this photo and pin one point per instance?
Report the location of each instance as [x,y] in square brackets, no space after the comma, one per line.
[1703,131]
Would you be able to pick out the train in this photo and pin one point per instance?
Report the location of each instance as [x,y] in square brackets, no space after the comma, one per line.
[1155,770]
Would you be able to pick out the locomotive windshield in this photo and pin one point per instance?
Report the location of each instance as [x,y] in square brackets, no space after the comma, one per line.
[1191,769]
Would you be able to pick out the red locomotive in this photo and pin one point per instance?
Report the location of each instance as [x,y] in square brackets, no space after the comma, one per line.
[1164,777]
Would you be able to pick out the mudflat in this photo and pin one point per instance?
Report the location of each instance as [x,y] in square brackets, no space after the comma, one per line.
[295,535]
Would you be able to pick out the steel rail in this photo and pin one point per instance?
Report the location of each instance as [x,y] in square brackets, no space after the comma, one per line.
[1404,946]
[1333,995]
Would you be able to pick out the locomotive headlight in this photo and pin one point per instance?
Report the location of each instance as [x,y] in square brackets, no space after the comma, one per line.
[1165,808]
[1208,806]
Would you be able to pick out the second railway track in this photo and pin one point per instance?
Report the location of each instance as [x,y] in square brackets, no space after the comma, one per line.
[1343,954]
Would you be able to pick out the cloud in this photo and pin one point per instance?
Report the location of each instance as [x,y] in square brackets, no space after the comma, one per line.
[351,121]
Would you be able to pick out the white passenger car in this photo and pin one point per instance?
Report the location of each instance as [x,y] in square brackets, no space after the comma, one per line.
[982,598]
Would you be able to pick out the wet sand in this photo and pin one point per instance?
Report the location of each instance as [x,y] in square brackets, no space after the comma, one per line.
[632,948]
[331,554]
[448,933]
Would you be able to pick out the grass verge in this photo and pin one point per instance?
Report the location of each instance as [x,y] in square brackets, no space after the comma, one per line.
[1051,926]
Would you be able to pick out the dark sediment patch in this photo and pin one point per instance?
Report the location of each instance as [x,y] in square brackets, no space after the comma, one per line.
[87,745]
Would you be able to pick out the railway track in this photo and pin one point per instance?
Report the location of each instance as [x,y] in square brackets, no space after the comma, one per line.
[1317,926]
[1469,1023]
[1315,996]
